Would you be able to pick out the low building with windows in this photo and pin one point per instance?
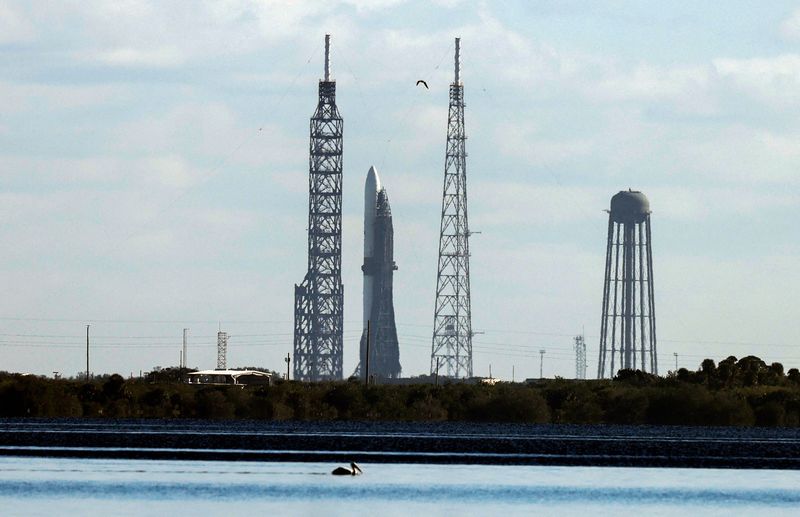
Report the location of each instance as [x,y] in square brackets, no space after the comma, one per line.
[229,377]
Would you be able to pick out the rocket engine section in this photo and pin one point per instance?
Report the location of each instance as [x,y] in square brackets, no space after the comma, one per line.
[378,268]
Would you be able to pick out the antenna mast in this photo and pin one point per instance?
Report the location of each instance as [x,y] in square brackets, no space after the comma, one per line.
[458,61]
[327,58]
[452,319]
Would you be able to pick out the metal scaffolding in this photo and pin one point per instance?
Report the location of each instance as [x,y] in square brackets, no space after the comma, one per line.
[319,299]
[580,357]
[452,322]
[628,327]
[222,350]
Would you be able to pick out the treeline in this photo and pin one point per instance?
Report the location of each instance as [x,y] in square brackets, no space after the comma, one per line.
[740,392]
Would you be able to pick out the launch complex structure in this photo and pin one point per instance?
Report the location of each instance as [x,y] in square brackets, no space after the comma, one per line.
[628,327]
[319,298]
[451,347]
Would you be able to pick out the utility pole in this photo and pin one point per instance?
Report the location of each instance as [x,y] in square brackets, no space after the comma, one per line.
[513,368]
[288,360]
[366,365]
[185,340]
[87,353]
[541,363]
[437,371]
[676,360]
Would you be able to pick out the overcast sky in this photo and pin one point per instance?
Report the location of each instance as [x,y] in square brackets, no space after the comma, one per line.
[154,168]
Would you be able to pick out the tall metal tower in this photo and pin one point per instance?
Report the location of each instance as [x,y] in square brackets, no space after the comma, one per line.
[452,319]
[319,299]
[628,327]
[580,357]
[222,350]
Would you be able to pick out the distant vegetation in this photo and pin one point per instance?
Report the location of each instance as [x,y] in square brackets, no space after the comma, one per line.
[741,392]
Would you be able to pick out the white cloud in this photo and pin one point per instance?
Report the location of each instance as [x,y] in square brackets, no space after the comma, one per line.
[372,5]
[651,83]
[170,171]
[688,204]
[531,205]
[60,172]
[532,143]
[127,56]
[775,81]
[17,97]
[14,28]
[790,27]
[735,154]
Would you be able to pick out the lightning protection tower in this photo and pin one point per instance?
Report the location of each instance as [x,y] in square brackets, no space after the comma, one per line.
[580,357]
[222,350]
[628,327]
[319,299]
[452,320]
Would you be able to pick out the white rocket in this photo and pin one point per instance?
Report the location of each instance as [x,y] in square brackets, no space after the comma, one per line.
[371,188]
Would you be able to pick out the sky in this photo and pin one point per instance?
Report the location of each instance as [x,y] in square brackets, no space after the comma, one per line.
[154,169]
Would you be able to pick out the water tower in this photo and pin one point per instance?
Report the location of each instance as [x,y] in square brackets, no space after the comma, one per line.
[628,328]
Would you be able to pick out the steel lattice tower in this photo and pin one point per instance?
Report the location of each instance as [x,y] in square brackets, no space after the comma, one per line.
[319,299]
[222,350]
[628,327]
[452,321]
[580,357]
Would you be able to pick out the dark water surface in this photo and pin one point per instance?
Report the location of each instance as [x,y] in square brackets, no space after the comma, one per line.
[439,443]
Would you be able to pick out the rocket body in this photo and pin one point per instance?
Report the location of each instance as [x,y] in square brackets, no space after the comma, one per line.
[381,340]
[371,188]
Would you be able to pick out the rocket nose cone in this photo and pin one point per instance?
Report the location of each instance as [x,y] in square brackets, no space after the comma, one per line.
[372,177]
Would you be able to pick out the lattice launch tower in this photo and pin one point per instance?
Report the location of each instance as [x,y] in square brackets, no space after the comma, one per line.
[451,350]
[319,299]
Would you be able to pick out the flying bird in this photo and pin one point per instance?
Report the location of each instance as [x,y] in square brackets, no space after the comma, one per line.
[423,84]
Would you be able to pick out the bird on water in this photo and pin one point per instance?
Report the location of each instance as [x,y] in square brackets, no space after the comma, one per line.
[354,470]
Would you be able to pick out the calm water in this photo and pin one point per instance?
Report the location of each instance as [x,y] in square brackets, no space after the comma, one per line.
[47,486]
